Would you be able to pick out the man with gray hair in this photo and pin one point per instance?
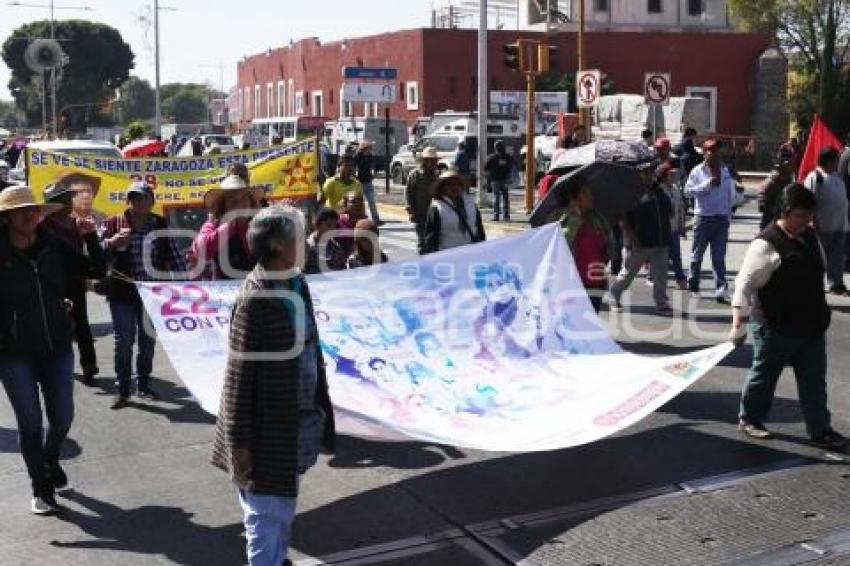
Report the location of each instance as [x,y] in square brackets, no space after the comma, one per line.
[275,413]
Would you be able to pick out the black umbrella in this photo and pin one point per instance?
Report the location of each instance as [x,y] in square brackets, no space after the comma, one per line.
[616,190]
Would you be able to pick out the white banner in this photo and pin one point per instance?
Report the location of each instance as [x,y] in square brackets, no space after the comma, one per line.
[504,354]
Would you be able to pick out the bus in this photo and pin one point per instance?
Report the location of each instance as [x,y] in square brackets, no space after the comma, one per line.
[289,128]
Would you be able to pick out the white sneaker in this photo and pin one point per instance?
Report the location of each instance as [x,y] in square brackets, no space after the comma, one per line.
[41,507]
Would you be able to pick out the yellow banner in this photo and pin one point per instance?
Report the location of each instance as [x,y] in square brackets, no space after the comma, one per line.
[179,183]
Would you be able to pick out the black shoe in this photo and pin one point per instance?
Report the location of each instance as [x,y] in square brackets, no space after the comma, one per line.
[838,290]
[44,501]
[88,374]
[56,475]
[121,401]
[829,440]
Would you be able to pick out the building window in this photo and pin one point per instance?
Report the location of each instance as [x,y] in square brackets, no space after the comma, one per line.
[246,101]
[257,101]
[654,7]
[238,102]
[370,109]
[269,100]
[452,86]
[281,98]
[290,93]
[318,103]
[710,94]
[346,108]
[299,102]
[330,97]
[401,91]
[412,95]
[600,5]
[696,7]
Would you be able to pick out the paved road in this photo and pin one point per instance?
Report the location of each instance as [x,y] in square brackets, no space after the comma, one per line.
[142,491]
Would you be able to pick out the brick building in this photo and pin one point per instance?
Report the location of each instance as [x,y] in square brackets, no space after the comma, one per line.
[437,70]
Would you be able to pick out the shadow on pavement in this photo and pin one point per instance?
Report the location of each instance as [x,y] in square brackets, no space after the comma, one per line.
[513,485]
[154,530]
[9,444]
[722,406]
[175,403]
[354,452]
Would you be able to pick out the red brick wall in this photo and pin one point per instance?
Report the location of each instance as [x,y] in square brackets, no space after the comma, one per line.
[443,62]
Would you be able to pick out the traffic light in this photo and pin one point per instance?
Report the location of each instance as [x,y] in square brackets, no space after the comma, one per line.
[514,57]
[546,58]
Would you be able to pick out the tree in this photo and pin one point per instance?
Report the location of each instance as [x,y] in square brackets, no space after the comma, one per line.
[99,61]
[137,100]
[816,36]
[135,130]
[8,115]
[187,103]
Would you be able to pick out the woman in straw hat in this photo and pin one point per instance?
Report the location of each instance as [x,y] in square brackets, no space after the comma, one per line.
[36,333]
[222,244]
[454,219]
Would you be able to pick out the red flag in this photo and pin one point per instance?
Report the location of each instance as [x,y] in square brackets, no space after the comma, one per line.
[820,137]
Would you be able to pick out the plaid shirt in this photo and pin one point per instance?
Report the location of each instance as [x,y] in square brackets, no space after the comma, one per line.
[164,253]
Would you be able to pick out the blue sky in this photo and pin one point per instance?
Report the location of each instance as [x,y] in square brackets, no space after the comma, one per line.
[200,33]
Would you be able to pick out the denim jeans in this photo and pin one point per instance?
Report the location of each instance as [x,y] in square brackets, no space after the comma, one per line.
[82,330]
[675,257]
[268,526]
[501,197]
[369,195]
[713,231]
[772,351]
[22,378]
[128,322]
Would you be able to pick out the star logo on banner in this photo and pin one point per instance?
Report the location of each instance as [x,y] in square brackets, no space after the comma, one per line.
[297,172]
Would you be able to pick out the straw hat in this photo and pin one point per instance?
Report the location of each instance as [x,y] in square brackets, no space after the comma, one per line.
[366,144]
[21,196]
[230,184]
[429,152]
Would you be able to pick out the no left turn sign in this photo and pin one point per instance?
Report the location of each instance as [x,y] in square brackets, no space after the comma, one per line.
[656,88]
[588,88]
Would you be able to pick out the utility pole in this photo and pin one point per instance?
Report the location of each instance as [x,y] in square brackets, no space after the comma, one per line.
[483,102]
[55,126]
[582,113]
[157,128]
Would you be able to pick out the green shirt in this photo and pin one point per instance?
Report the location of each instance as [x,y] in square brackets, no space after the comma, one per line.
[335,190]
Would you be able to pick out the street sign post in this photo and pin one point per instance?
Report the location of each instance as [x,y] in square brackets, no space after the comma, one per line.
[375,73]
[588,88]
[656,91]
[369,92]
[656,88]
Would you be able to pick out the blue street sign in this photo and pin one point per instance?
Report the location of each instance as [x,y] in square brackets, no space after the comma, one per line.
[369,73]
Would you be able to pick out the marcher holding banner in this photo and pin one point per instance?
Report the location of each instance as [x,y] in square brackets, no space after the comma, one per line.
[780,287]
[590,238]
[275,411]
[36,269]
[221,244]
[124,241]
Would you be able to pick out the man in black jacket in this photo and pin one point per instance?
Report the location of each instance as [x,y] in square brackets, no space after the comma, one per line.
[646,232]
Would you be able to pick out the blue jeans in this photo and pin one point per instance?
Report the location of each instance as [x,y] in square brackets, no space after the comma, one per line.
[128,323]
[500,197]
[772,351]
[675,258]
[369,194]
[268,526]
[833,247]
[713,231]
[22,378]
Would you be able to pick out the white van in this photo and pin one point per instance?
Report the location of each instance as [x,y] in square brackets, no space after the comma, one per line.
[289,128]
[88,148]
[341,133]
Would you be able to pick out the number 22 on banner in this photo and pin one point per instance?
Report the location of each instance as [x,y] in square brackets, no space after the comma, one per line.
[175,296]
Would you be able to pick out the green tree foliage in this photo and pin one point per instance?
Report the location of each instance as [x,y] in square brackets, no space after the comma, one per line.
[815,35]
[8,115]
[99,61]
[186,103]
[135,130]
[137,100]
